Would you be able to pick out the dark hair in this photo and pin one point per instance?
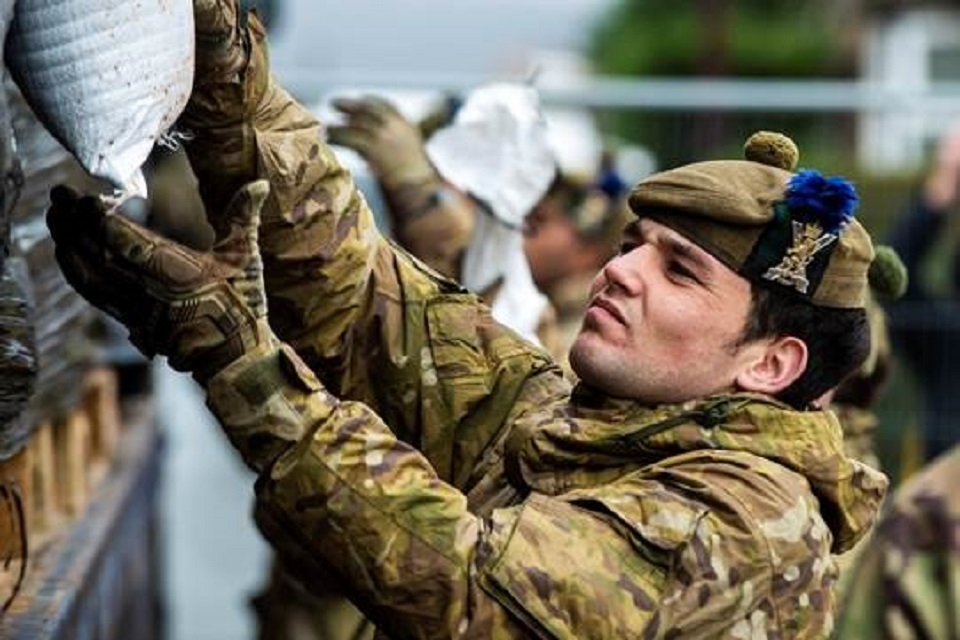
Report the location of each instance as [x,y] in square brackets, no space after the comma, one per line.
[838,340]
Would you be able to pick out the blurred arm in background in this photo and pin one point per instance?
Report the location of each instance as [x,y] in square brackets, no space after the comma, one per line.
[429,217]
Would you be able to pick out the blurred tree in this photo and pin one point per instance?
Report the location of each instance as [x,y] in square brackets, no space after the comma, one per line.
[713,37]
[743,38]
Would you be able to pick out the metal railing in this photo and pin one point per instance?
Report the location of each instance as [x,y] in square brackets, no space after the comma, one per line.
[687,94]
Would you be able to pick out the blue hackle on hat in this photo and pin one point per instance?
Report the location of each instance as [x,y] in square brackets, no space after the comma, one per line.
[829,202]
[612,183]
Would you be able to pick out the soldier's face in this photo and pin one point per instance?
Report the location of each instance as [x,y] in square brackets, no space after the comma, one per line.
[663,322]
[549,242]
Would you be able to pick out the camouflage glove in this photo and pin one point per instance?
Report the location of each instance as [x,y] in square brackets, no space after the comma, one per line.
[389,142]
[231,78]
[201,310]
[230,73]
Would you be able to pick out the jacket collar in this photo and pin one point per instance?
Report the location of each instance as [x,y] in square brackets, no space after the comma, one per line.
[594,439]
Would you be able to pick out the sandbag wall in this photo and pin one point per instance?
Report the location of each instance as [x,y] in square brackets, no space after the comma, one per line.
[59,320]
[44,325]
[18,361]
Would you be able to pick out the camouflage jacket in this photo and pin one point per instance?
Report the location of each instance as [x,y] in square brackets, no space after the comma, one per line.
[859,433]
[907,584]
[439,471]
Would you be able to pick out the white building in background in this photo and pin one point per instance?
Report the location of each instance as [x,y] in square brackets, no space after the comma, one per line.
[909,50]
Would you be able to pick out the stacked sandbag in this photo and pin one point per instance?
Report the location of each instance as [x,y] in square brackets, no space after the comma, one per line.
[60,318]
[18,358]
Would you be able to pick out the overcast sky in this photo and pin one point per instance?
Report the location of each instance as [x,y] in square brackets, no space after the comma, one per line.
[435,36]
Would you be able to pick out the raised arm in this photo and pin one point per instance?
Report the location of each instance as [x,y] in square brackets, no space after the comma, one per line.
[338,491]
[375,324]
[322,254]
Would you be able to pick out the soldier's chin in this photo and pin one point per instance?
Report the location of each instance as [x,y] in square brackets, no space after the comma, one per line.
[584,358]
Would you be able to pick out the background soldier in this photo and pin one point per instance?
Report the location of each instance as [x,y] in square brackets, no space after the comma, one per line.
[854,400]
[458,201]
[906,583]
[570,235]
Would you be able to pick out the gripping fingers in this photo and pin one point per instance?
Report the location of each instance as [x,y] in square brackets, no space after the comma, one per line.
[105,287]
[368,114]
[74,221]
[380,108]
[151,257]
[244,208]
[241,249]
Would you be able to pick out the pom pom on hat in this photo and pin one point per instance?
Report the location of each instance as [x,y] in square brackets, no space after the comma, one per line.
[772,149]
[887,275]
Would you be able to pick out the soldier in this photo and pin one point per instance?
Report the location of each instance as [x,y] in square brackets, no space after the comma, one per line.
[906,583]
[854,400]
[458,200]
[924,326]
[421,458]
[570,235]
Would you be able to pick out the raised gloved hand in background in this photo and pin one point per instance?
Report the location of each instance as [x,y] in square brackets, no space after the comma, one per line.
[428,216]
[391,144]
[201,310]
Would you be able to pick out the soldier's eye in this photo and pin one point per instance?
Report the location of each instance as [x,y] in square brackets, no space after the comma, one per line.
[678,269]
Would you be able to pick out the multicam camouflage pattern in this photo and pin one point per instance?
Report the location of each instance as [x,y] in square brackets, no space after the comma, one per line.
[429,217]
[201,310]
[433,221]
[859,427]
[908,583]
[859,433]
[438,470]
[597,518]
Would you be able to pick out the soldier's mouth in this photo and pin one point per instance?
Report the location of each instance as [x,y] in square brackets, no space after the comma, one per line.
[605,306]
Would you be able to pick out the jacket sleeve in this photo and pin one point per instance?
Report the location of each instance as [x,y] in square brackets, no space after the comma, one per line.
[374,323]
[434,221]
[337,489]
[904,584]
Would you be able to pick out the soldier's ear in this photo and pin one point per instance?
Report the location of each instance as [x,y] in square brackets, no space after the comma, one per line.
[773,365]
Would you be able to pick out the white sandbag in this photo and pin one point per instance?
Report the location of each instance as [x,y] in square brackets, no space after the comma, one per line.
[107,77]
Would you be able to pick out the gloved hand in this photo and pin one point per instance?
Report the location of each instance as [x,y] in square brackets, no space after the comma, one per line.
[231,79]
[230,72]
[389,142]
[201,310]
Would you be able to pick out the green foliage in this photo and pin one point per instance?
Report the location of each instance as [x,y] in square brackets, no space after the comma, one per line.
[742,38]
[753,38]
